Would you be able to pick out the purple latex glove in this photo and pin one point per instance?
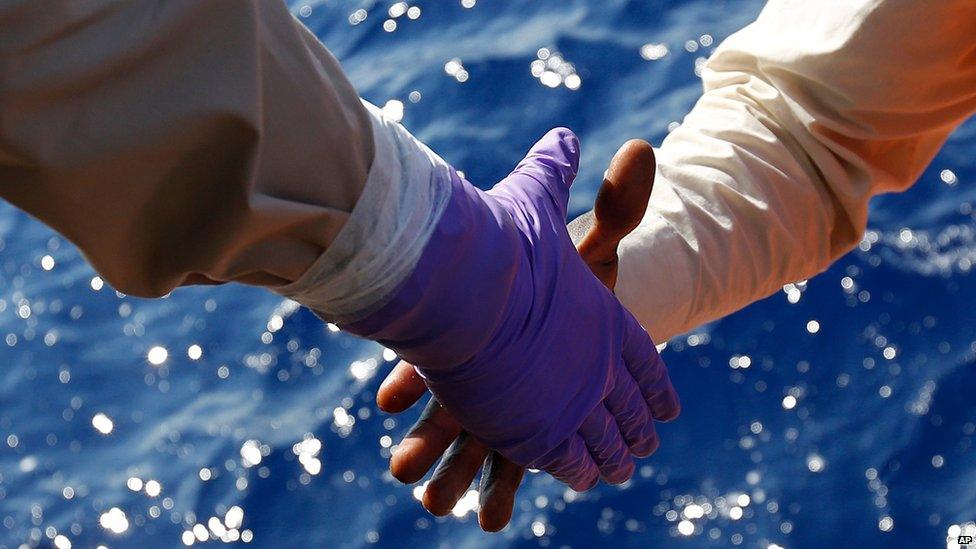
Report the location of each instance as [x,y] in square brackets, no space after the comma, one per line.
[518,339]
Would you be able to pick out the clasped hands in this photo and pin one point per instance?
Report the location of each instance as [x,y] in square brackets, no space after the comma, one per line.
[622,429]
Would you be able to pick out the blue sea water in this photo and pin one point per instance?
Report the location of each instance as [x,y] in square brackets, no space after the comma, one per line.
[840,412]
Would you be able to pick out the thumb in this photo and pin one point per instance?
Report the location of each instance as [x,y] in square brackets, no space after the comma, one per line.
[623,197]
[620,206]
[553,162]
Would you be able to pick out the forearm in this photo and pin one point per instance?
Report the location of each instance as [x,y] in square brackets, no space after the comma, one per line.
[807,114]
[734,216]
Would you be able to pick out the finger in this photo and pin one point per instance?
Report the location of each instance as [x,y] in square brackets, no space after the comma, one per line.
[401,389]
[607,447]
[500,481]
[622,199]
[428,438]
[553,163]
[571,463]
[620,206]
[454,474]
[648,370]
[627,406]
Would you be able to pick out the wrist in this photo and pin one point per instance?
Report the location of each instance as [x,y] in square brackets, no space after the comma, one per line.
[459,293]
[406,191]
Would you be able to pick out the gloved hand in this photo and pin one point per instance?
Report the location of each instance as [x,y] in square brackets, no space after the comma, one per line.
[620,206]
[518,339]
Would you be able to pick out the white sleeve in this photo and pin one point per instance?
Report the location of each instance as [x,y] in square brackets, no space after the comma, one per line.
[807,113]
[405,194]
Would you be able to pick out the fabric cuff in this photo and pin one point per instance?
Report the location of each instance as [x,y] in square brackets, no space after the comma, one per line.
[406,191]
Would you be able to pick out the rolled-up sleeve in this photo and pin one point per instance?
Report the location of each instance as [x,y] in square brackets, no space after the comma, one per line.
[179,142]
[807,113]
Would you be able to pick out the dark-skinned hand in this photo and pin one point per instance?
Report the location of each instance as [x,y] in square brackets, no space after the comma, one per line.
[619,208]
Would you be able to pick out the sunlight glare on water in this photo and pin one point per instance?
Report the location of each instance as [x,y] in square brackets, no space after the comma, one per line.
[838,412]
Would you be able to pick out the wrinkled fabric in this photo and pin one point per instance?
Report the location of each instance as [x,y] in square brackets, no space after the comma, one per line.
[174,151]
[378,247]
[808,113]
[516,337]
[179,142]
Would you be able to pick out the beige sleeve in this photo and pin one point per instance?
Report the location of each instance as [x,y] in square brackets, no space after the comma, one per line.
[179,142]
[807,113]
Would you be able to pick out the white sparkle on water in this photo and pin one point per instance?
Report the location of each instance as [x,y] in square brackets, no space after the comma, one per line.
[553,70]
[886,524]
[234,517]
[455,68]
[418,491]
[275,323]
[653,52]
[114,520]
[363,370]
[816,463]
[153,488]
[948,177]
[194,352]
[358,16]
[102,423]
[27,464]
[397,9]
[467,504]
[251,453]
[157,355]
[307,451]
